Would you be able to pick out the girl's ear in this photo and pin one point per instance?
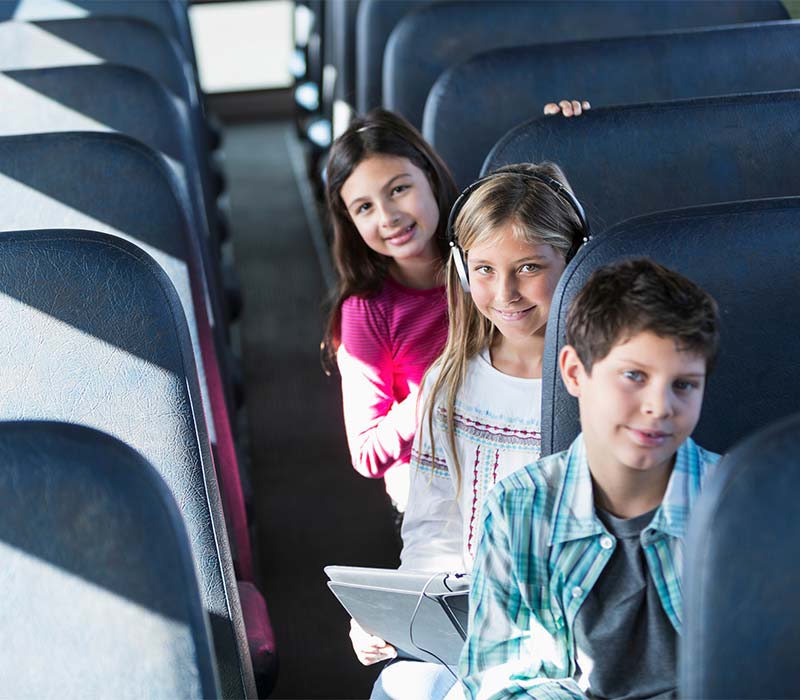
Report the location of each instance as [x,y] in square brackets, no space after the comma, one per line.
[572,371]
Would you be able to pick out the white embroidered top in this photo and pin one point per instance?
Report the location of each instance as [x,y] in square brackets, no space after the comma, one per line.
[497,431]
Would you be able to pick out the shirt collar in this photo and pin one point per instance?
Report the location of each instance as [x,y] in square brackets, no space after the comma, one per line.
[574,517]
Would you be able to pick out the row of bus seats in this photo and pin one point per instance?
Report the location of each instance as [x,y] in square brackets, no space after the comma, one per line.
[116,308]
[688,157]
[371,53]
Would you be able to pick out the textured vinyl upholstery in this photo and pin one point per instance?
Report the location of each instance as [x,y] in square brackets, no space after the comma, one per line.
[120,40]
[628,161]
[109,97]
[424,44]
[747,256]
[169,16]
[106,96]
[374,24]
[494,91]
[152,210]
[100,594]
[94,333]
[742,610]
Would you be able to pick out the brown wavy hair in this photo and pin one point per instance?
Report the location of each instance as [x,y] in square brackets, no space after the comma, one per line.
[360,270]
[635,295]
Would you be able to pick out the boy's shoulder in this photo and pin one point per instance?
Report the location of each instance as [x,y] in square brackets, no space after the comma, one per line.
[563,480]
[533,491]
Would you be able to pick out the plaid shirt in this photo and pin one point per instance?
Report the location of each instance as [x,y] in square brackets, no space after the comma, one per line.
[543,549]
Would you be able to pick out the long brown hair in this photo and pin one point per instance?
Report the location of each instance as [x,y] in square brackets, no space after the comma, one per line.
[538,215]
[362,271]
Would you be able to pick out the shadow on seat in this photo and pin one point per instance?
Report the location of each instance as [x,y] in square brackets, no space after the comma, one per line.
[100,593]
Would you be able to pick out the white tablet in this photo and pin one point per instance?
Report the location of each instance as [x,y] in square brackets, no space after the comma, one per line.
[423,616]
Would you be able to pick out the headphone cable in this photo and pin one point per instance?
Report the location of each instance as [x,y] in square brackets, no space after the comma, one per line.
[423,594]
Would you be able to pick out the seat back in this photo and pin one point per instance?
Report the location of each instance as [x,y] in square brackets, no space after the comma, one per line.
[340,47]
[505,87]
[741,580]
[169,16]
[101,572]
[109,97]
[94,334]
[128,190]
[629,161]
[747,256]
[374,23]
[450,32]
[121,40]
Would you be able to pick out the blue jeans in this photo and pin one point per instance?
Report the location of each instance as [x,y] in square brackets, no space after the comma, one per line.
[403,679]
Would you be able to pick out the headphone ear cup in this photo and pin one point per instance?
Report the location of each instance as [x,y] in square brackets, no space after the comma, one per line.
[461,267]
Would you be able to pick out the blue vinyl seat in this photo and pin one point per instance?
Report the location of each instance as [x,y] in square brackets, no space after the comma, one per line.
[340,49]
[374,24]
[746,255]
[492,92]
[742,611]
[628,161]
[128,190]
[108,97]
[170,16]
[100,593]
[427,42]
[126,41]
[94,334]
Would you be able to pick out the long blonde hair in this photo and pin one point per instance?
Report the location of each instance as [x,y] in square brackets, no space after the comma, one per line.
[539,215]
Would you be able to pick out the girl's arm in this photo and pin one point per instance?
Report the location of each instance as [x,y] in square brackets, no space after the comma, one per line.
[433,524]
[379,428]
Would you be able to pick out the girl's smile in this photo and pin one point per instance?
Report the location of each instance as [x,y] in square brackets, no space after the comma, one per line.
[392,205]
[512,282]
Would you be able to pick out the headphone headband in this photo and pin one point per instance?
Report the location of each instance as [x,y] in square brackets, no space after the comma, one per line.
[459,258]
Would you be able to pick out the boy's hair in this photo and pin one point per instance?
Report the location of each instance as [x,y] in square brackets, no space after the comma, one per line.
[360,269]
[538,216]
[636,295]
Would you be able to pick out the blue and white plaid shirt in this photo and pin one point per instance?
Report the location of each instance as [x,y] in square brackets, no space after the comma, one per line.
[542,550]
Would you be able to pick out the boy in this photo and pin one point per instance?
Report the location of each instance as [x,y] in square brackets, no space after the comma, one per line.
[576,588]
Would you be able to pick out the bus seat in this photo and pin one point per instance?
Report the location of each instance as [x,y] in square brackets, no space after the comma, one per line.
[154,212]
[100,592]
[494,91]
[424,44]
[374,23]
[628,161]
[108,97]
[169,16]
[742,611]
[124,41]
[340,49]
[746,255]
[148,210]
[95,334]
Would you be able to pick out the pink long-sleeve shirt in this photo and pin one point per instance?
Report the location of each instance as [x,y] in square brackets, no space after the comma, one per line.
[387,342]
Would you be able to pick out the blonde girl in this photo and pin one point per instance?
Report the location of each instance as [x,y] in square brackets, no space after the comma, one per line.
[513,234]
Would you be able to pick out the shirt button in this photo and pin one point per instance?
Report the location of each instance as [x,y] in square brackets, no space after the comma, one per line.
[606,542]
[577,592]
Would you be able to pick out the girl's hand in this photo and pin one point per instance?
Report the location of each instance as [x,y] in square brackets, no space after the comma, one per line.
[569,108]
[369,649]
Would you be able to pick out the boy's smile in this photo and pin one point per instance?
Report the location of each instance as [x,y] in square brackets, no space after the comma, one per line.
[637,406]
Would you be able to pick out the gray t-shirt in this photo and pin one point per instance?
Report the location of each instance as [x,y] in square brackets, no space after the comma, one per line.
[624,640]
